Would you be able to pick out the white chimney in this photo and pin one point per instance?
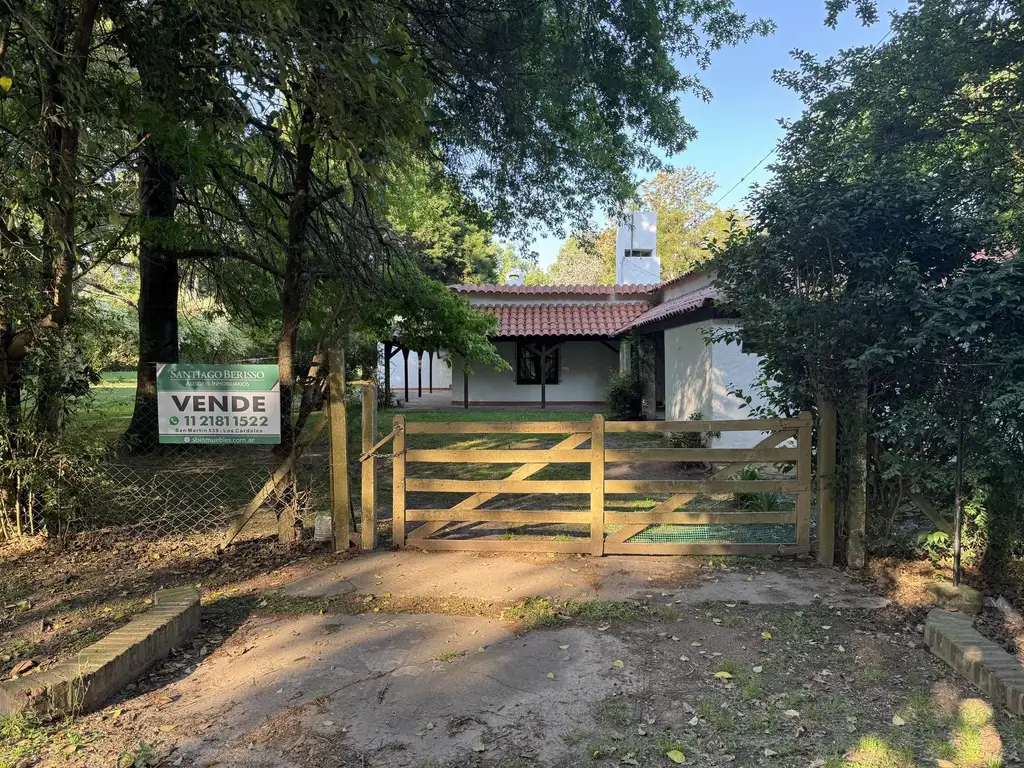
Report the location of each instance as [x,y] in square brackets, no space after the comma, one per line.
[514,277]
[636,249]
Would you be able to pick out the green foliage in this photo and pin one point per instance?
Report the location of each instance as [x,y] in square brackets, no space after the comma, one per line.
[765,501]
[623,396]
[879,270]
[693,439]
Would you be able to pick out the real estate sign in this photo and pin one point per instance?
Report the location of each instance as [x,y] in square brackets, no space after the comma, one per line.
[218,403]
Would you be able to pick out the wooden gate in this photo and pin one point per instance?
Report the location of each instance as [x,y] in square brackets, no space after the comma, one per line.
[749,514]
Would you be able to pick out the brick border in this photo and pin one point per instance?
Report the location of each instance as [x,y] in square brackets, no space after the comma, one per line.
[953,638]
[98,672]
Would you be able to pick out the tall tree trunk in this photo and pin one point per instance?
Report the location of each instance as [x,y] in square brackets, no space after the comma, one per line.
[62,99]
[158,294]
[856,515]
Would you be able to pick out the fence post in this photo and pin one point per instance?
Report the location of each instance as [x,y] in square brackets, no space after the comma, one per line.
[398,484]
[340,500]
[803,476]
[826,481]
[597,485]
[368,494]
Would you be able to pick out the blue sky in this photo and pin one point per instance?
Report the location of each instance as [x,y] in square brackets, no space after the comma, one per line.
[741,123]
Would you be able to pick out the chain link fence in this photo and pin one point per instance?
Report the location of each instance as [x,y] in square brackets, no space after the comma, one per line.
[160,490]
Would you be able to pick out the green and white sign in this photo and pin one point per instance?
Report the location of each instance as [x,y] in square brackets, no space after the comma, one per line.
[206,404]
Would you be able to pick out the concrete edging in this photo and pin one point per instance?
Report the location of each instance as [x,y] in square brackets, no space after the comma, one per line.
[953,638]
[104,668]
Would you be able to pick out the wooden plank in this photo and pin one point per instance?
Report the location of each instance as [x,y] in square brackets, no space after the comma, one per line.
[699,518]
[505,545]
[338,439]
[803,476]
[674,502]
[826,481]
[432,485]
[511,456]
[620,536]
[368,471]
[398,484]
[725,425]
[524,472]
[502,515]
[496,427]
[425,530]
[704,486]
[597,460]
[710,455]
[643,548]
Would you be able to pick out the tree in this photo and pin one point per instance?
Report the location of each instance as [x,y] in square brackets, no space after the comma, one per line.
[577,263]
[687,220]
[859,280]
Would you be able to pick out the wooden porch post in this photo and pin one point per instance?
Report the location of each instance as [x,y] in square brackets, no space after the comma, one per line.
[430,363]
[419,374]
[465,389]
[405,378]
[388,354]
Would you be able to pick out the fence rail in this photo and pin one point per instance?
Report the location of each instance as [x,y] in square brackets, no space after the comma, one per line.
[607,531]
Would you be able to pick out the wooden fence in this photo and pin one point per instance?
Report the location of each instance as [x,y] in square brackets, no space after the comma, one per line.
[610,531]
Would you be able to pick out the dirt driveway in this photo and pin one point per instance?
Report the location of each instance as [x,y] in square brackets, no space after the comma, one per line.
[454,669]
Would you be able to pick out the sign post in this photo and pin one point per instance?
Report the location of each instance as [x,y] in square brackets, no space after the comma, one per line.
[202,404]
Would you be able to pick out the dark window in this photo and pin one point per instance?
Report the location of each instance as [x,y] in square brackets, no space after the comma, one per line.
[528,364]
[638,253]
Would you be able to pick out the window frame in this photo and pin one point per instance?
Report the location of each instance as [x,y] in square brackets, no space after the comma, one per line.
[554,363]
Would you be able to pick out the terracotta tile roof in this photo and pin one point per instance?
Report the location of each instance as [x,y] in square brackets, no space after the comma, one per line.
[516,320]
[678,306]
[559,290]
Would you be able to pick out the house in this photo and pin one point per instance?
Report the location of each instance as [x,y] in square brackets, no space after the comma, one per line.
[562,342]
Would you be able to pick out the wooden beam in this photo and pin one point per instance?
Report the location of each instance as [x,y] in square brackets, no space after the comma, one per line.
[497,427]
[511,456]
[730,425]
[535,516]
[430,370]
[340,499]
[704,486]
[419,374]
[646,548]
[432,485]
[398,484]
[597,485]
[388,354]
[488,544]
[698,518]
[465,388]
[710,455]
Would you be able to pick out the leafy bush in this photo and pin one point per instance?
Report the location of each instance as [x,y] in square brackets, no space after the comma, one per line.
[693,439]
[766,501]
[624,397]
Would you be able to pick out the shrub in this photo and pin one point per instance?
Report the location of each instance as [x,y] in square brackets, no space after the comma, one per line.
[766,501]
[693,439]
[624,397]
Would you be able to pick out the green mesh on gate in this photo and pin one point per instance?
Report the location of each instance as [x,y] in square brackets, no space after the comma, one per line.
[747,533]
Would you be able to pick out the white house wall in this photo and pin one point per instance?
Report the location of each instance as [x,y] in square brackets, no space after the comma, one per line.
[732,369]
[687,372]
[699,378]
[583,378]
